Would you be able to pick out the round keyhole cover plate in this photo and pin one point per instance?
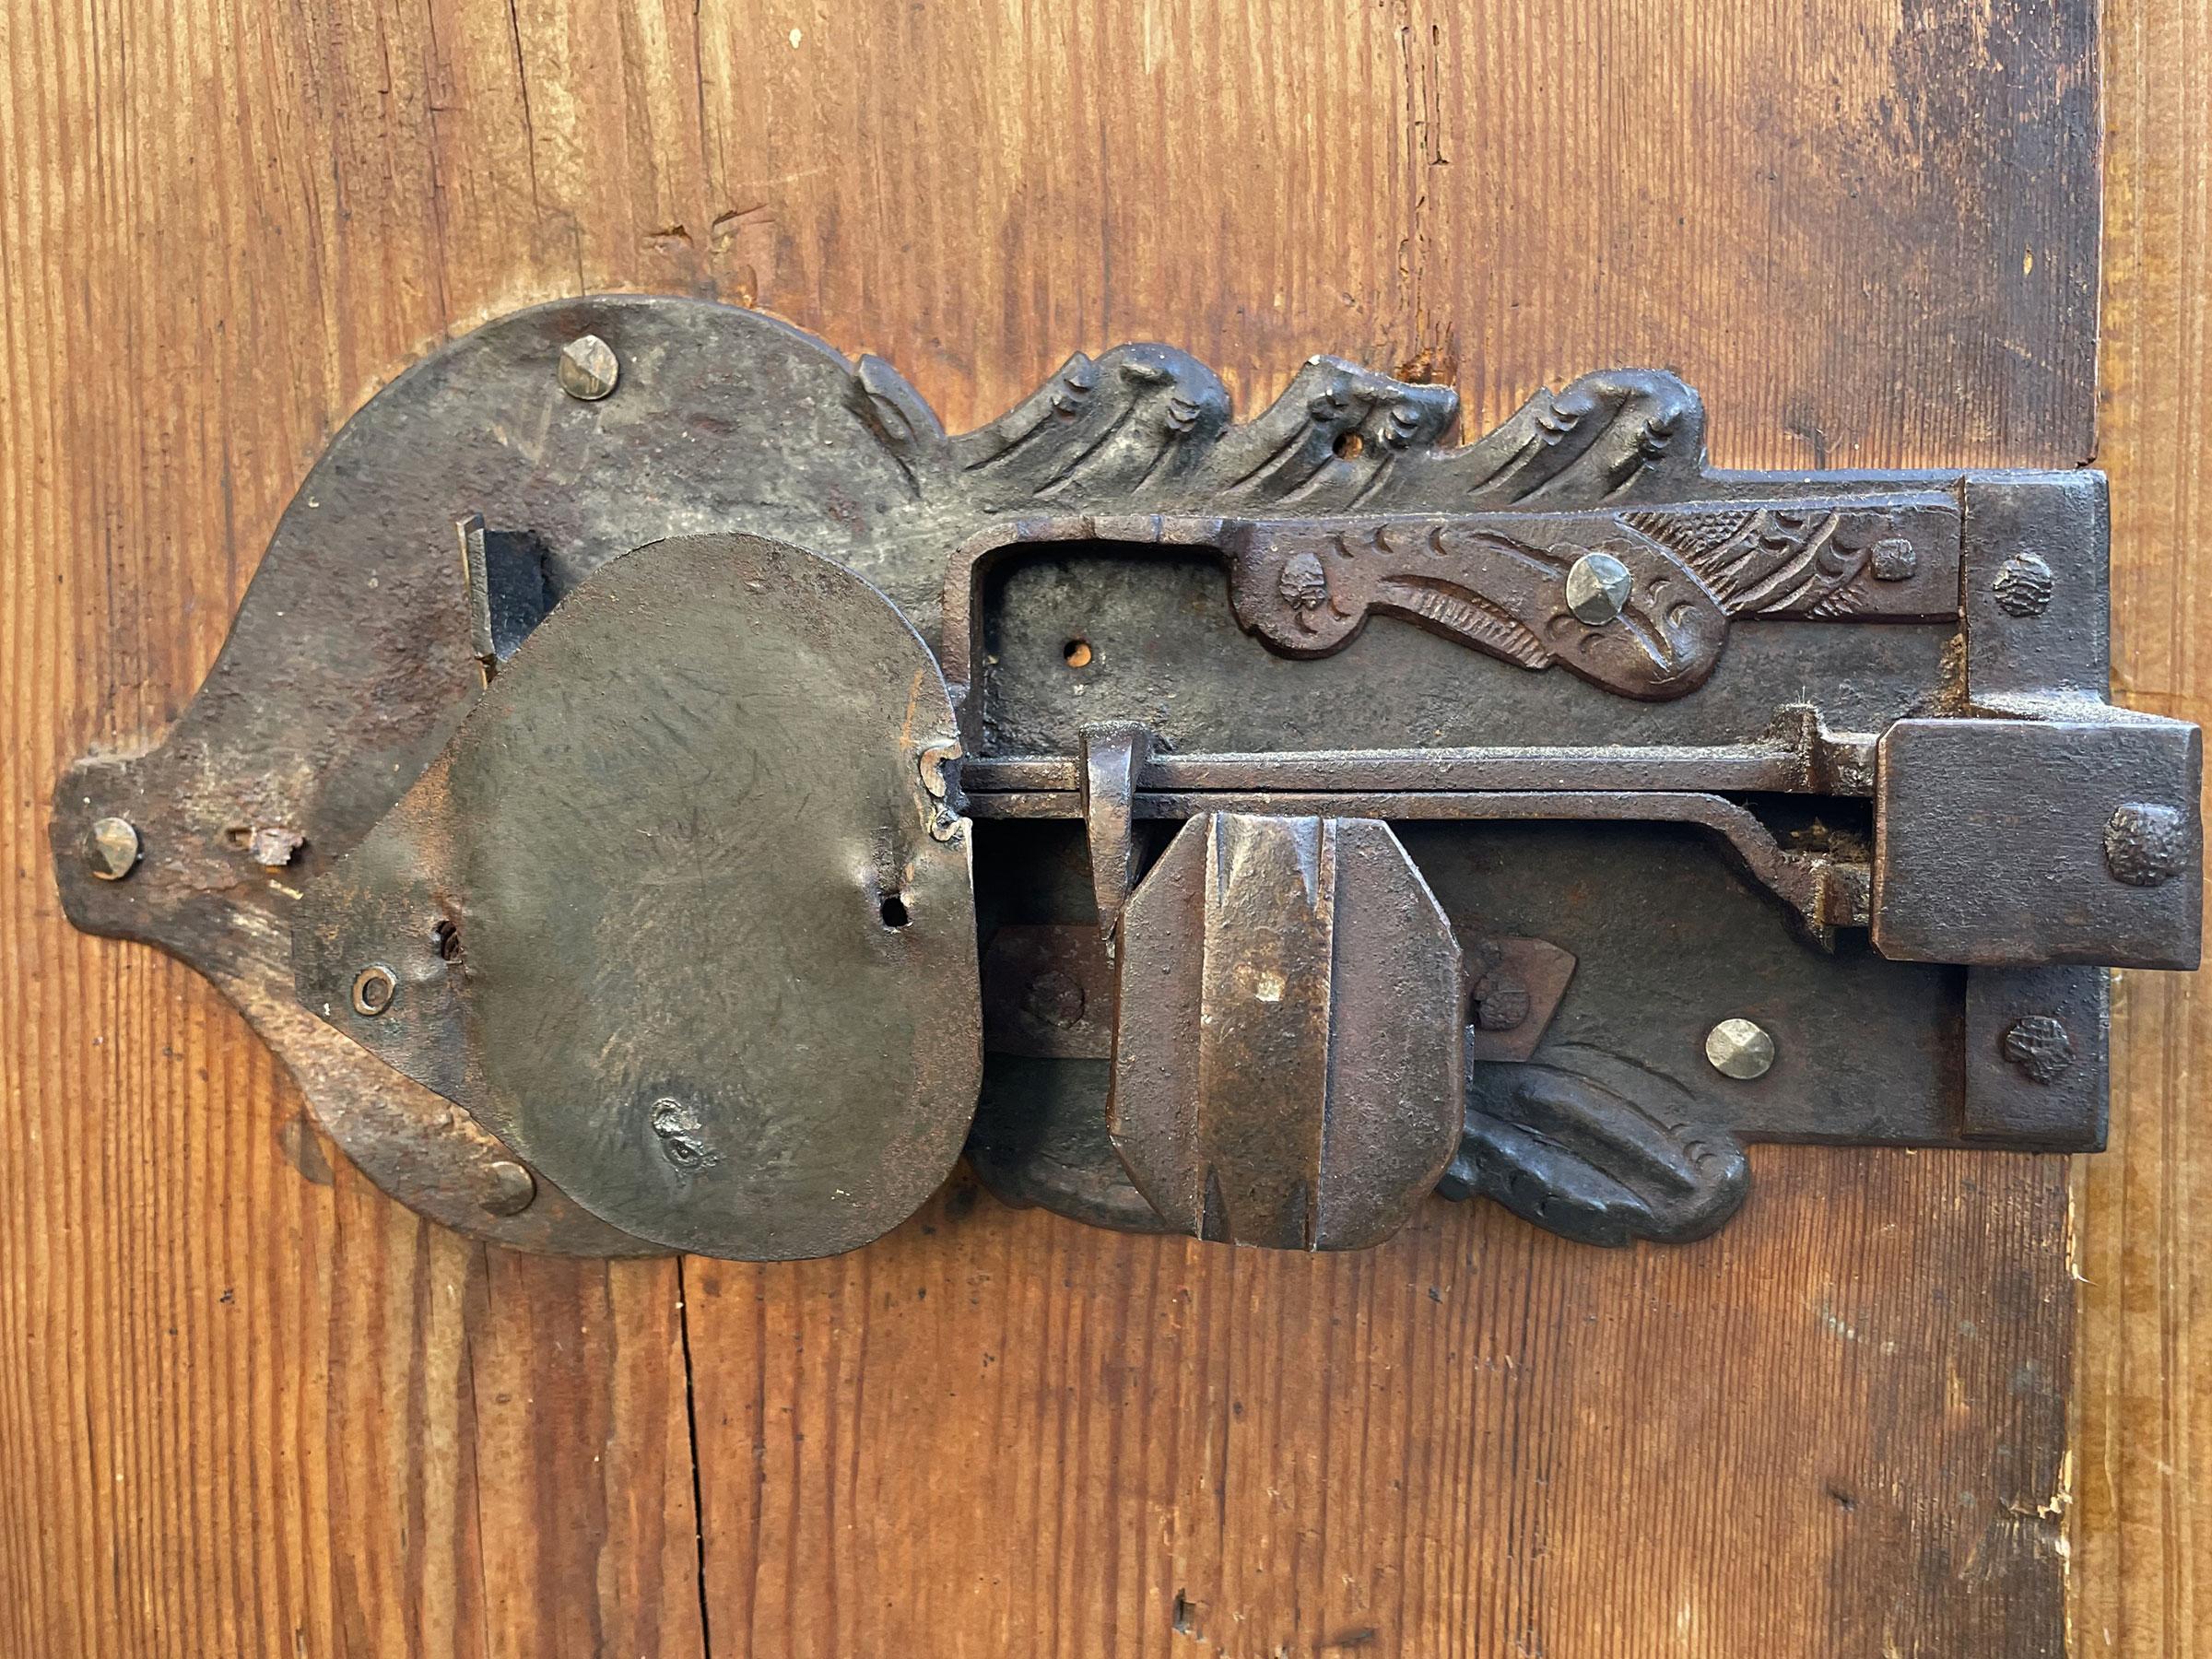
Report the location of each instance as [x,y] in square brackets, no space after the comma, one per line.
[680,913]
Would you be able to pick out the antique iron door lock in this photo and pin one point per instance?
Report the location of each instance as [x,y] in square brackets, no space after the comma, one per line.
[663,791]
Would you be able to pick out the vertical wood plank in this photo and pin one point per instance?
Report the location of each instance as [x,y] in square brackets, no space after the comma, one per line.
[2143,1526]
[252,1406]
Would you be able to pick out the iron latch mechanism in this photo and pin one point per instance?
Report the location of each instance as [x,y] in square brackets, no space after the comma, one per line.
[662,792]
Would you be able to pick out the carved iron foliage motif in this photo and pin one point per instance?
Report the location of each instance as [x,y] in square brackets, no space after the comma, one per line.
[1598,1148]
[1148,427]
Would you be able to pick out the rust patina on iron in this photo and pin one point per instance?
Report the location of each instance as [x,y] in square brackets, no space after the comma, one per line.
[1528,764]
[1287,1066]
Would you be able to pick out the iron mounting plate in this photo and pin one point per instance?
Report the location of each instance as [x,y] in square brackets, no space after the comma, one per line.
[1081,517]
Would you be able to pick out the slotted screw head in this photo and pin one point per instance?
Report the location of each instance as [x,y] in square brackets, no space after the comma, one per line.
[1739,1048]
[589,367]
[111,848]
[1597,586]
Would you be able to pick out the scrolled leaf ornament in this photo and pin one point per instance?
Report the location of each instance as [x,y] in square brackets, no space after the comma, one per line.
[1595,1148]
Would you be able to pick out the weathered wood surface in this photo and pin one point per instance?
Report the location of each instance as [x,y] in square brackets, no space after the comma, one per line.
[247,1406]
[2143,1558]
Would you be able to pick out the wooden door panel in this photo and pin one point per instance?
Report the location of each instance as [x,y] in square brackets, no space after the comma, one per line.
[250,1406]
[2142,1569]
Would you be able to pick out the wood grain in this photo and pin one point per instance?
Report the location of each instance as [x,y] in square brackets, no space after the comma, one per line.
[248,1406]
[2143,1531]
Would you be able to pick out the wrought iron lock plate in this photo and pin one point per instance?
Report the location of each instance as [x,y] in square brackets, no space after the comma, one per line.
[663,791]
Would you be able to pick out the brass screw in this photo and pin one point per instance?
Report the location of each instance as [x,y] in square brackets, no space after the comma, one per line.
[588,367]
[1597,586]
[111,848]
[1740,1049]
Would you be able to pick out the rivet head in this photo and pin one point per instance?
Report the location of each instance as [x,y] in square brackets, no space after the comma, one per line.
[1739,1048]
[2039,1045]
[1303,583]
[2023,586]
[1054,999]
[589,367]
[2146,844]
[111,848]
[511,1188]
[1597,586]
[272,846]
[373,989]
[1502,1002]
[1893,558]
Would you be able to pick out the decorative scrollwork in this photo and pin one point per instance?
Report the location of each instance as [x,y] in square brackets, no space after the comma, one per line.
[1344,499]
[1786,561]
[1498,586]
[1148,427]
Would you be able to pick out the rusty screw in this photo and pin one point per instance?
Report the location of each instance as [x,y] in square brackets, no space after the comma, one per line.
[111,848]
[1739,1048]
[513,1189]
[1597,586]
[589,367]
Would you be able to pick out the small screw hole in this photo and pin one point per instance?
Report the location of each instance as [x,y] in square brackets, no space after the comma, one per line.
[447,938]
[1076,653]
[894,910]
[1348,445]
